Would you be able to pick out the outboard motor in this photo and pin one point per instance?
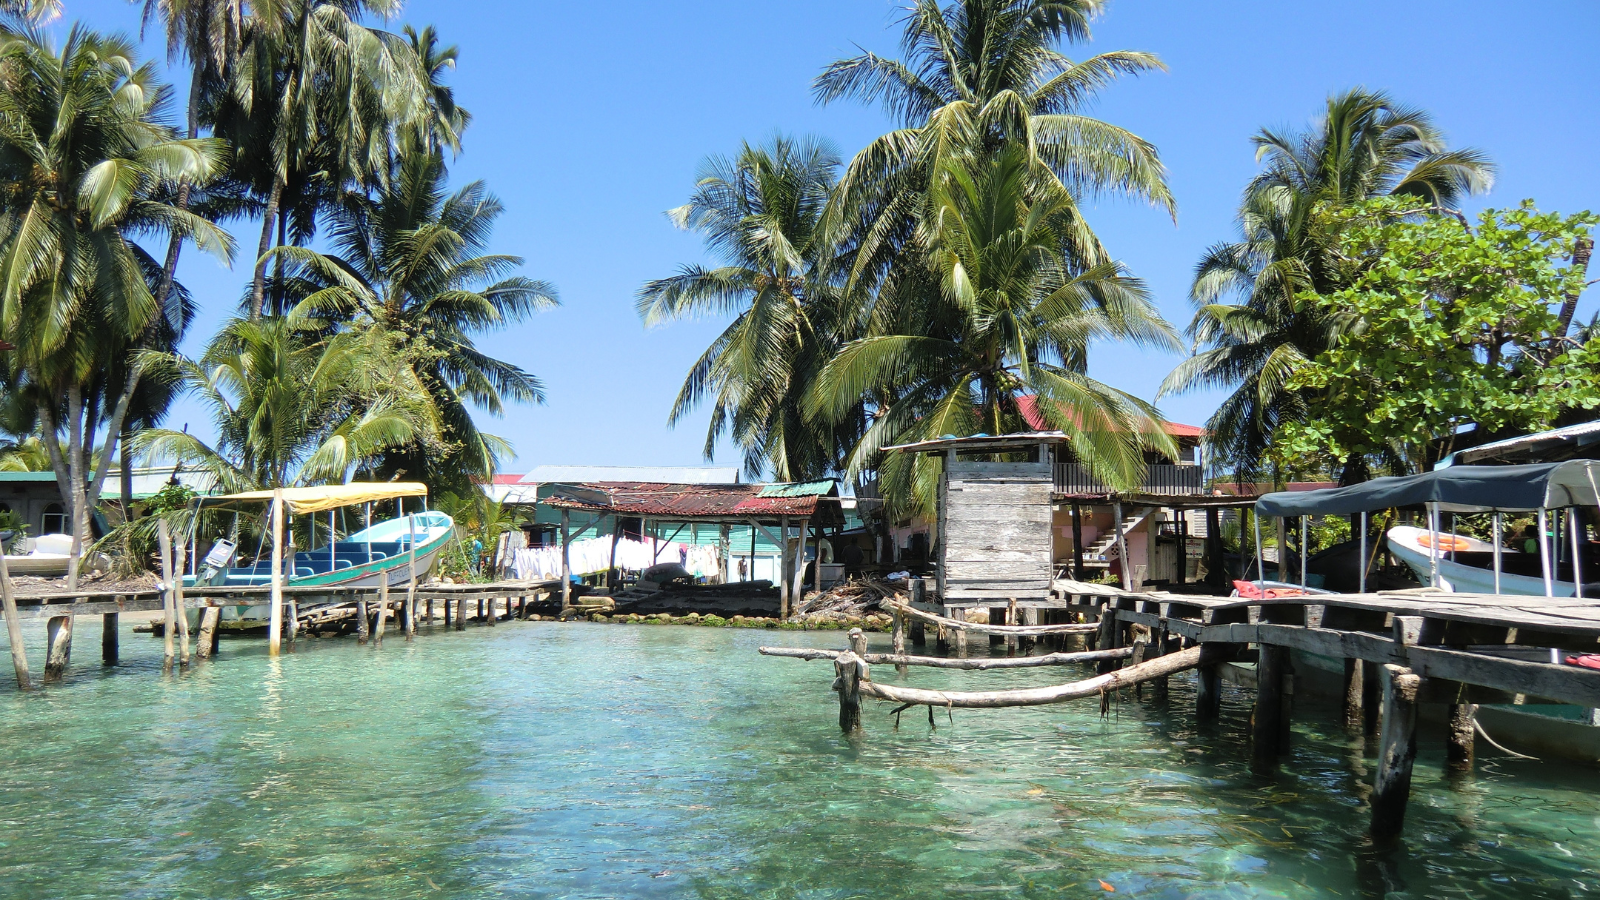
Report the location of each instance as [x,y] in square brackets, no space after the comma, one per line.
[214,570]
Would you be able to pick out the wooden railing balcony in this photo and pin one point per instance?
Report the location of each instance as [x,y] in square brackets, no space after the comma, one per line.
[1165,478]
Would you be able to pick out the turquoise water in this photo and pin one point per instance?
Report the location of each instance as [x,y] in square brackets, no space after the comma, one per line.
[545,760]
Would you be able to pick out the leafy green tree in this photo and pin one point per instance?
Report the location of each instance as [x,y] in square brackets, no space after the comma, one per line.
[1453,326]
[412,260]
[761,211]
[1366,145]
[1010,317]
[293,405]
[86,160]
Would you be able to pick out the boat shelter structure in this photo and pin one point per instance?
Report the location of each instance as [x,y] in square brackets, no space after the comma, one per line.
[771,509]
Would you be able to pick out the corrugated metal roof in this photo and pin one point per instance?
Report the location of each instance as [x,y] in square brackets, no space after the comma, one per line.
[733,502]
[800,489]
[1529,445]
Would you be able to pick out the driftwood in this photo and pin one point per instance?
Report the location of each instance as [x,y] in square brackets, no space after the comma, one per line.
[941,662]
[980,628]
[1091,687]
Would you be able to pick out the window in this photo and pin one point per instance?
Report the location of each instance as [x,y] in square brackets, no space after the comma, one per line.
[54,520]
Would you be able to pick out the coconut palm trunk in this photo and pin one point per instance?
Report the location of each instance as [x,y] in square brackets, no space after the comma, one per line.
[258,291]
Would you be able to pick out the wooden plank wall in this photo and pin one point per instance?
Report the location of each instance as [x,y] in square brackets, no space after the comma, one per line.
[995,531]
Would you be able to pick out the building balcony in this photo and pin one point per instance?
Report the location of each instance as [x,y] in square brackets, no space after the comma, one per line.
[1164,479]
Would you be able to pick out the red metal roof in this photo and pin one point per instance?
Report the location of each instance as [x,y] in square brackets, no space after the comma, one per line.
[692,501]
[1028,404]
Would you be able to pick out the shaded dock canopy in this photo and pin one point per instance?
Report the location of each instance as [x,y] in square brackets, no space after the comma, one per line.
[729,504]
[1468,489]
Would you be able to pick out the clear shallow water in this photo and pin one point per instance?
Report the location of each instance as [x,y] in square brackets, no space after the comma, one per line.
[544,760]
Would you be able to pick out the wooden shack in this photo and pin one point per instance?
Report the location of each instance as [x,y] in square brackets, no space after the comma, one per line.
[995,543]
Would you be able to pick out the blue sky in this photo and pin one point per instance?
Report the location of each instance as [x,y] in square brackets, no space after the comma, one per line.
[590,121]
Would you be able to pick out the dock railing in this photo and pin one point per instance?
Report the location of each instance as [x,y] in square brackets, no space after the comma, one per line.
[1162,478]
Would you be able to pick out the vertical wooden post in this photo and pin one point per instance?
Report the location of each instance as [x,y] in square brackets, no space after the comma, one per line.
[798,576]
[919,595]
[1208,695]
[461,614]
[383,613]
[1463,736]
[1011,619]
[411,584]
[275,603]
[58,638]
[448,604]
[1106,637]
[818,573]
[109,623]
[858,641]
[899,639]
[960,633]
[362,622]
[1397,751]
[566,566]
[1269,721]
[427,615]
[784,606]
[19,655]
[169,621]
[850,670]
[179,550]
[1077,543]
[1122,547]
[209,616]
[1355,691]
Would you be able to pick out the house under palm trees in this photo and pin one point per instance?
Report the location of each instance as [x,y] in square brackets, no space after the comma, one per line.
[1018,512]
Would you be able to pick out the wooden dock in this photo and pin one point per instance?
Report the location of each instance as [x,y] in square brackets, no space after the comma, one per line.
[1398,650]
[365,611]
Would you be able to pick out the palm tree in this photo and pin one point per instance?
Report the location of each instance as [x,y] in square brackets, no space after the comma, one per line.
[292,405]
[85,160]
[412,260]
[1366,145]
[1010,316]
[761,211]
[317,104]
[979,74]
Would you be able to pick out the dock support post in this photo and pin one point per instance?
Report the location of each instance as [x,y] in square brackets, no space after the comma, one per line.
[109,622]
[1397,751]
[362,622]
[1011,619]
[461,614]
[427,615]
[383,613]
[1463,736]
[1267,729]
[1077,543]
[448,604]
[168,620]
[1208,695]
[850,670]
[1106,637]
[19,654]
[899,634]
[209,616]
[58,636]
[1030,616]
[489,603]
[1355,690]
[919,594]
[960,613]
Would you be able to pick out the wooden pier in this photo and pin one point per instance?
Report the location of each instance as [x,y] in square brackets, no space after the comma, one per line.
[365,611]
[1398,651]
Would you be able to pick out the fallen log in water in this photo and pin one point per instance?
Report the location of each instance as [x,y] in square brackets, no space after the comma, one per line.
[940,662]
[1092,687]
[979,628]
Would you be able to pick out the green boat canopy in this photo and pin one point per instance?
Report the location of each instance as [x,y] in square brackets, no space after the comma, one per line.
[1466,489]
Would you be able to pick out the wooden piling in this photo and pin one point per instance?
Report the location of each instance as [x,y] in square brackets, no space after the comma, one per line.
[1355,690]
[1011,619]
[1208,693]
[1462,736]
[19,655]
[919,594]
[1030,616]
[109,622]
[209,617]
[1268,723]
[461,613]
[491,613]
[169,620]
[850,670]
[899,638]
[1397,751]
[858,642]
[383,612]
[180,552]
[58,637]
[1106,637]
[363,620]
[427,615]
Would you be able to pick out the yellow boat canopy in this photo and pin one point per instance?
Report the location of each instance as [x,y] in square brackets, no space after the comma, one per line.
[303,500]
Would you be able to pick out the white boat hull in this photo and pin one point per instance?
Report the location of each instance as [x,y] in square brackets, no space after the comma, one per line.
[1405,542]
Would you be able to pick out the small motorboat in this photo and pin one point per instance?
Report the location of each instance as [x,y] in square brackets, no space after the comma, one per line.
[1466,565]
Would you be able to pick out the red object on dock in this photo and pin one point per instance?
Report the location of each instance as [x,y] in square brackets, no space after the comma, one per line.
[1587,661]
